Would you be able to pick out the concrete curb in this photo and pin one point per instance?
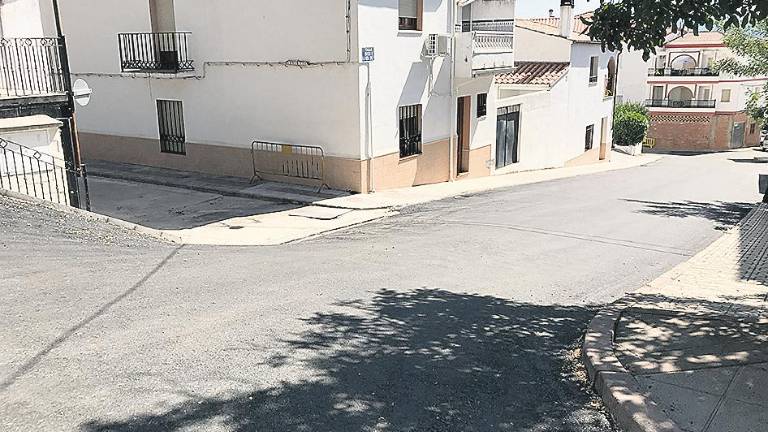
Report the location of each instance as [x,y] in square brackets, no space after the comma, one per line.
[630,408]
[150,232]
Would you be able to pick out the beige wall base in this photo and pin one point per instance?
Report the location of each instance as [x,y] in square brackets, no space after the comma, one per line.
[431,166]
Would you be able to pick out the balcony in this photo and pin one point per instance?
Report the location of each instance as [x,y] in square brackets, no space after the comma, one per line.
[694,72]
[31,67]
[480,52]
[691,103]
[155,52]
[500,26]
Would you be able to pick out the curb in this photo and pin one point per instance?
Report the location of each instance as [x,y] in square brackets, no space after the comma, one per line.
[150,232]
[621,393]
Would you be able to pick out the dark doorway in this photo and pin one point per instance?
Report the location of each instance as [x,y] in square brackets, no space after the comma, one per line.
[507,135]
[463,124]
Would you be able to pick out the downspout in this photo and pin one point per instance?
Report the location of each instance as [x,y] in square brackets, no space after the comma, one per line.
[452,112]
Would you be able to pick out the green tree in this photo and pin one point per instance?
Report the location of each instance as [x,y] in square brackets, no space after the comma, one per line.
[643,24]
[750,45]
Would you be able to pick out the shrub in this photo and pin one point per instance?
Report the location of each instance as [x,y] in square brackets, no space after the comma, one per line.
[630,128]
[630,123]
[628,107]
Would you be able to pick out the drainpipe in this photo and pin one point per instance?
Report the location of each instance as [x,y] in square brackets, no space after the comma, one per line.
[452,112]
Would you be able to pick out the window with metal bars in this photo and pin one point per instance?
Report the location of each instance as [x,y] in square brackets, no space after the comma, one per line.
[410,130]
[482,105]
[589,138]
[170,122]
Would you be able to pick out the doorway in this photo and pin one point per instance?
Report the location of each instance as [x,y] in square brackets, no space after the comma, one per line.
[507,135]
[604,144]
[737,136]
[463,125]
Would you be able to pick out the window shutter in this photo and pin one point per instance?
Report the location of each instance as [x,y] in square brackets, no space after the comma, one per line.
[409,8]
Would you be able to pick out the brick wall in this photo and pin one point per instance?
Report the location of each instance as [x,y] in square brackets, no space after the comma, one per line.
[698,131]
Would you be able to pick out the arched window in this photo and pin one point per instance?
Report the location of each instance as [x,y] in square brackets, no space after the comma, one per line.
[610,82]
[680,97]
[683,62]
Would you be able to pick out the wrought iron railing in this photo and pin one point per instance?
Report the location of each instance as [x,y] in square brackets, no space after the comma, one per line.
[30,67]
[668,103]
[682,72]
[288,160]
[31,172]
[166,52]
[493,42]
[504,26]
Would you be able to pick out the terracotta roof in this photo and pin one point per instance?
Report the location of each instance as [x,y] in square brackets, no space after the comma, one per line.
[551,26]
[708,38]
[534,73]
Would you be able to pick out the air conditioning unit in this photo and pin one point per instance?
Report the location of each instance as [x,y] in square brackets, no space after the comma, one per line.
[438,45]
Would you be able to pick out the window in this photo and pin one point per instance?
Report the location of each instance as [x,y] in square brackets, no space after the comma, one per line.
[482,105]
[410,12]
[589,138]
[725,96]
[661,61]
[170,121]
[752,129]
[593,67]
[658,93]
[410,130]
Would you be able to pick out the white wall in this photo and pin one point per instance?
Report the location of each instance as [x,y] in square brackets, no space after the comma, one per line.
[26,18]
[493,10]
[632,81]
[535,46]
[226,104]
[400,75]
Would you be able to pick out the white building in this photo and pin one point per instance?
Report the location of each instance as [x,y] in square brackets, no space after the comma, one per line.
[563,90]
[211,79]
[394,92]
[693,107]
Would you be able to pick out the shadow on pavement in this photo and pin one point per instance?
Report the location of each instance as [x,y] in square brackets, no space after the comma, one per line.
[424,360]
[724,214]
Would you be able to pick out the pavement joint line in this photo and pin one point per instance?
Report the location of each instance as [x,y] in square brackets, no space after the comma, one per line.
[595,239]
[720,401]
[35,360]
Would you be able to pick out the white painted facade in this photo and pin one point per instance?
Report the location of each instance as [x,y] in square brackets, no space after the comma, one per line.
[553,121]
[26,18]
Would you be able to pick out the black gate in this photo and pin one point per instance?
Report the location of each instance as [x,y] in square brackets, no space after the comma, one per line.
[507,135]
[31,172]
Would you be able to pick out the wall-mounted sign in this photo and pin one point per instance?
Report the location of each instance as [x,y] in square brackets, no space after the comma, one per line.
[368,54]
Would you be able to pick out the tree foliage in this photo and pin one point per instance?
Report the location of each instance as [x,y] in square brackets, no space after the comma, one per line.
[643,24]
[750,45]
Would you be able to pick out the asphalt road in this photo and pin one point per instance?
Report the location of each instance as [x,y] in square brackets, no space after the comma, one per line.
[460,315]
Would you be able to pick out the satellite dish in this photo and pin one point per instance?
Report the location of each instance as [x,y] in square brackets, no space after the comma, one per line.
[81,92]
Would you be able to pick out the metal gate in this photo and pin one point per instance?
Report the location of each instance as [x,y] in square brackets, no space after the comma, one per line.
[31,172]
[507,135]
[288,160]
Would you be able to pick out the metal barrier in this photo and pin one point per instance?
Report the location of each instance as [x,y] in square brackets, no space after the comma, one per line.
[31,172]
[649,142]
[288,160]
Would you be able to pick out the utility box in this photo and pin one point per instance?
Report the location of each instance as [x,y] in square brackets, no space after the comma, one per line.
[763,183]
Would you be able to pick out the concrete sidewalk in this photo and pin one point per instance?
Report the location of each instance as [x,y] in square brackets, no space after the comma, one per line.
[689,351]
[323,212]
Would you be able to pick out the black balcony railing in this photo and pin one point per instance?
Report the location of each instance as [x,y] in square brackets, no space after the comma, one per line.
[30,67]
[155,52]
[682,72]
[503,26]
[667,103]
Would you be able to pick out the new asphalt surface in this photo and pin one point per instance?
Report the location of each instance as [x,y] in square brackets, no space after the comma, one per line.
[459,315]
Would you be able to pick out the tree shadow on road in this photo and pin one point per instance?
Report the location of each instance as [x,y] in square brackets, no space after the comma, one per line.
[423,360]
[724,214]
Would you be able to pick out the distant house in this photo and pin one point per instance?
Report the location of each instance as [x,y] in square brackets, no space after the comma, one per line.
[556,109]
[693,107]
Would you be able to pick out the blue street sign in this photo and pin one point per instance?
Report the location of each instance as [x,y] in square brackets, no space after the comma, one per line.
[368,54]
